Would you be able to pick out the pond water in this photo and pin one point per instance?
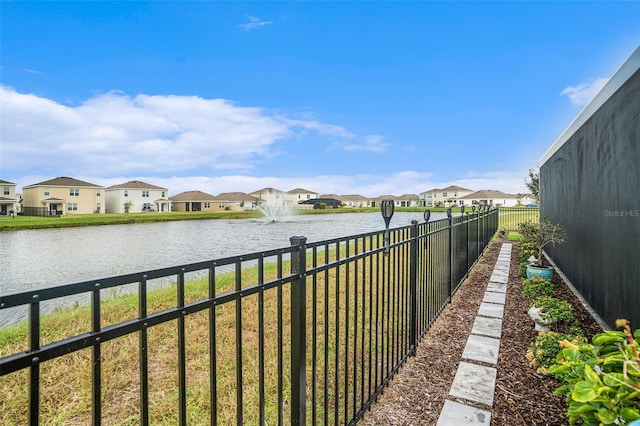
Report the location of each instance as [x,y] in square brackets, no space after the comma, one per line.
[43,258]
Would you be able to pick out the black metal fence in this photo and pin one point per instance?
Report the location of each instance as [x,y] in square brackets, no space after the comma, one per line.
[40,211]
[310,333]
[510,217]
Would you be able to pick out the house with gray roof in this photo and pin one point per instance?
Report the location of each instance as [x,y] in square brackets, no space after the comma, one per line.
[236,201]
[444,197]
[136,196]
[62,195]
[298,195]
[490,197]
[194,201]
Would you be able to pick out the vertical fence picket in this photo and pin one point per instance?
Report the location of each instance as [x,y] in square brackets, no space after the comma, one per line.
[96,365]
[298,332]
[143,341]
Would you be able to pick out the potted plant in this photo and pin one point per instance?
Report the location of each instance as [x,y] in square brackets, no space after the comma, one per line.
[540,236]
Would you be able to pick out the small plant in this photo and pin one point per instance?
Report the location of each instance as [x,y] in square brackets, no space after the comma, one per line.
[541,235]
[536,287]
[551,307]
[543,351]
[602,379]
[523,269]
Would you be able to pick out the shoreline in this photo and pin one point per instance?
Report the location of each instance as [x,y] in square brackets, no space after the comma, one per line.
[16,223]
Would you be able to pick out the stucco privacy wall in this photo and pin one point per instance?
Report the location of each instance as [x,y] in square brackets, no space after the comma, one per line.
[590,183]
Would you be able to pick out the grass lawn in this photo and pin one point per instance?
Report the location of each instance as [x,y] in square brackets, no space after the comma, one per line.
[513,236]
[66,381]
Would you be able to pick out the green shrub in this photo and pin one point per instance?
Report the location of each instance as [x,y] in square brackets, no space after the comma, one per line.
[602,379]
[536,287]
[543,351]
[561,310]
[523,269]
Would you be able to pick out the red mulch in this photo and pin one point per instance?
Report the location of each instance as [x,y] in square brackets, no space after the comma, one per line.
[522,397]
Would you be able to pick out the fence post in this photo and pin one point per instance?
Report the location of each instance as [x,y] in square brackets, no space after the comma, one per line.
[466,240]
[413,284]
[449,215]
[298,331]
[478,234]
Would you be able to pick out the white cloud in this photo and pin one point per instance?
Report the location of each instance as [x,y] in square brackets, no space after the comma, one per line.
[30,71]
[372,143]
[113,133]
[581,94]
[254,22]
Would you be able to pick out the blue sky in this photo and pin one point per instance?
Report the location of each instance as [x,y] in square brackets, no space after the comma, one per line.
[339,97]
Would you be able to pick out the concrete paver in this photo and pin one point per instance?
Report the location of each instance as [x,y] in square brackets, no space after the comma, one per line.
[481,348]
[455,414]
[491,297]
[497,287]
[474,383]
[491,327]
[491,310]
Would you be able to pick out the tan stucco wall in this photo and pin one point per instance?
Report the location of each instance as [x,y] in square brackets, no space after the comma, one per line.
[86,200]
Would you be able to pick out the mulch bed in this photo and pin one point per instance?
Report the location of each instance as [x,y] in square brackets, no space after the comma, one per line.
[522,397]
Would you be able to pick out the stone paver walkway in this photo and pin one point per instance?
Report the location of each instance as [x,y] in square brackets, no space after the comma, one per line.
[475,381]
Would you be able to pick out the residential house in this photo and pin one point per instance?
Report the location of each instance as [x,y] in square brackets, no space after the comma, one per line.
[297,195]
[353,200]
[135,196]
[489,197]
[406,200]
[409,200]
[444,197]
[194,201]
[9,201]
[525,199]
[271,196]
[63,195]
[237,201]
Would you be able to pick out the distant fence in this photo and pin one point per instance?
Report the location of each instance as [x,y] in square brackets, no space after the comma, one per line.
[312,332]
[39,211]
[510,217]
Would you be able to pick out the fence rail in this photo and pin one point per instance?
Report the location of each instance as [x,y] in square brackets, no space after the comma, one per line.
[309,333]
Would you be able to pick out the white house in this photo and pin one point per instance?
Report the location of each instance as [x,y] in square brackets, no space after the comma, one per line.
[490,197]
[139,196]
[297,195]
[271,196]
[444,197]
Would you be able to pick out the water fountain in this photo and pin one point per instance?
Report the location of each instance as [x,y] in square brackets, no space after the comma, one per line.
[274,210]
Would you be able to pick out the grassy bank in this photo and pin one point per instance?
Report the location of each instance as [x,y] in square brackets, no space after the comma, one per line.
[8,223]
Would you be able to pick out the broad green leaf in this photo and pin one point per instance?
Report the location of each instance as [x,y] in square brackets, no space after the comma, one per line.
[606,416]
[608,338]
[591,375]
[584,392]
[630,414]
[613,379]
